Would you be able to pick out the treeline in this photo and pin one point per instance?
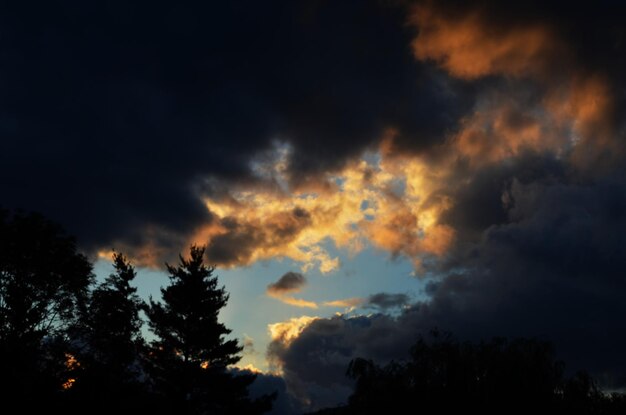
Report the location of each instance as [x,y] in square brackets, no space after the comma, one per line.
[70,345]
[445,376]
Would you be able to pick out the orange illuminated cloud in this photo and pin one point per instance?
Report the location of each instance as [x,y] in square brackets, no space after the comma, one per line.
[287,331]
[292,282]
[584,106]
[574,119]
[345,303]
[504,129]
[389,203]
[282,334]
[250,368]
[297,302]
[469,46]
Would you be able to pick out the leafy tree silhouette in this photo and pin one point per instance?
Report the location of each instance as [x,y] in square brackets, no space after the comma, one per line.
[500,376]
[43,284]
[107,342]
[188,363]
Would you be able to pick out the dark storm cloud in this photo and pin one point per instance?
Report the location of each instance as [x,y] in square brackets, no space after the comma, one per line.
[290,282]
[266,384]
[114,115]
[314,364]
[554,270]
[385,301]
[479,203]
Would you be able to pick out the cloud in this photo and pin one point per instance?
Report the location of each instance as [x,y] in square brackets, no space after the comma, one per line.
[390,202]
[313,362]
[385,301]
[237,241]
[120,127]
[288,330]
[394,198]
[266,384]
[345,303]
[248,345]
[469,45]
[298,302]
[147,162]
[290,282]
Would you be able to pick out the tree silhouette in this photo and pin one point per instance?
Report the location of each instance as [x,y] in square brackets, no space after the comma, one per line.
[108,340]
[43,283]
[499,376]
[189,361]
[64,348]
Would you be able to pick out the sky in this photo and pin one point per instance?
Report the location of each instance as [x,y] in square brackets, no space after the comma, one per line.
[360,172]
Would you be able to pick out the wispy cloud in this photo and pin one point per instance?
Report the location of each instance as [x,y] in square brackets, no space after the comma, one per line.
[298,302]
[345,303]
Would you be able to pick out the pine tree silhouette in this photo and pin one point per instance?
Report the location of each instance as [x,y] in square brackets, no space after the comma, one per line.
[108,339]
[189,361]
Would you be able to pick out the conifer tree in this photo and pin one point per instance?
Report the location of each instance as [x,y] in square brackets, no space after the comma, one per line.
[189,360]
[109,340]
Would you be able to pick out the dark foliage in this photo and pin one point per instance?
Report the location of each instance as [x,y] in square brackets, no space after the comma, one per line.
[107,342]
[70,347]
[499,376]
[43,284]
